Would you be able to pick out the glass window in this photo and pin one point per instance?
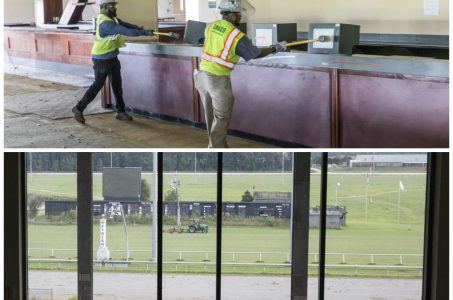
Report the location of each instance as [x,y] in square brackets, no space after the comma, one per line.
[123,194]
[52,225]
[190,216]
[257,197]
[375,220]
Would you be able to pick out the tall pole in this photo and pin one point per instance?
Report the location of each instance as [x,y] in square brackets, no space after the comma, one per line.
[195,162]
[125,232]
[283,167]
[366,197]
[31,168]
[336,194]
[178,211]
[154,234]
[111,159]
[399,200]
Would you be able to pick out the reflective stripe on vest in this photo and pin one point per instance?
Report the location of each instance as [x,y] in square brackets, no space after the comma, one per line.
[217,60]
[229,43]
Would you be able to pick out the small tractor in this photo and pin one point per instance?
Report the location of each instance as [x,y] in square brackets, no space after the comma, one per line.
[196,226]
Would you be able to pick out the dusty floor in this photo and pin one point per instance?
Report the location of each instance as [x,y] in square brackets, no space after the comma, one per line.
[31,130]
[200,287]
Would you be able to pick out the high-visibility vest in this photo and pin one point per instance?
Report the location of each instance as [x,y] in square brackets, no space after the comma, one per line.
[109,43]
[219,50]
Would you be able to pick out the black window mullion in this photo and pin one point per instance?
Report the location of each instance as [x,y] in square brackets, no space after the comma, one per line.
[84,226]
[160,181]
[322,227]
[219,226]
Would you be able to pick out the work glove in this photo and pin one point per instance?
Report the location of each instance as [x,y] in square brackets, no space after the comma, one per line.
[281,47]
[149,32]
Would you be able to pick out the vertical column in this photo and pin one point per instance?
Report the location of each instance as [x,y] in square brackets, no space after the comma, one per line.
[15,229]
[322,226]
[219,226]
[300,226]
[160,208]
[436,254]
[84,226]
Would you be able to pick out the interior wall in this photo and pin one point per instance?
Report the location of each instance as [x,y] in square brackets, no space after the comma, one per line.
[384,16]
[141,12]
[19,11]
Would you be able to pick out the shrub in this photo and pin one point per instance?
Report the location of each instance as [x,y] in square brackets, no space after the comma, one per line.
[171,195]
[34,203]
[247,196]
[145,193]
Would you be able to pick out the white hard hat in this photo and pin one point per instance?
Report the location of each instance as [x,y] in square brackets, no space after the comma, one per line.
[230,6]
[101,2]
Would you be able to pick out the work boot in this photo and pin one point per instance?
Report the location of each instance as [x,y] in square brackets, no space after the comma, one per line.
[123,116]
[78,115]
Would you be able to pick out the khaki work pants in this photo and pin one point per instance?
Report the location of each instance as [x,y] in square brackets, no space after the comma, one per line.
[217,97]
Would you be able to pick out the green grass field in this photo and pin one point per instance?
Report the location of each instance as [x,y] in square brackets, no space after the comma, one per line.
[380,235]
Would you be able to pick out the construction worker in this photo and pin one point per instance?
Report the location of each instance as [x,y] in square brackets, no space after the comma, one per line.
[109,32]
[223,47]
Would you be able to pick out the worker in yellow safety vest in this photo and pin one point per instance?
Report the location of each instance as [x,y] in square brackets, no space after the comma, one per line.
[109,38]
[224,45]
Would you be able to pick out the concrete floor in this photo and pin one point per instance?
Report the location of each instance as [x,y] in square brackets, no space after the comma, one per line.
[30,130]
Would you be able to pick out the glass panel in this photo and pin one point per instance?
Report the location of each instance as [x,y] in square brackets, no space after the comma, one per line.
[256,226]
[375,226]
[189,238]
[123,194]
[52,225]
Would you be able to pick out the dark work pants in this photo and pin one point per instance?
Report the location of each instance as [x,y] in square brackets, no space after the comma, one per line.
[102,69]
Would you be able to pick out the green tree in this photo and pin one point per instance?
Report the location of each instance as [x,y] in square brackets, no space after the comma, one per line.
[34,203]
[171,195]
[145,191]
[247,196]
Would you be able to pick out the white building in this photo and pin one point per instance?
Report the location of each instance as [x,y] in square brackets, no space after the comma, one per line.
[389,160]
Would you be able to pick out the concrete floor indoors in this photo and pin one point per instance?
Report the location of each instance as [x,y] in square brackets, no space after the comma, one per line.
[37,115]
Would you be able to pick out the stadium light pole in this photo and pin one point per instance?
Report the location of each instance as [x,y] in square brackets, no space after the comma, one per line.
[366,196]
[400,188]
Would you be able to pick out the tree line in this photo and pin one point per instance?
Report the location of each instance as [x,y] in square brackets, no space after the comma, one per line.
[181,162]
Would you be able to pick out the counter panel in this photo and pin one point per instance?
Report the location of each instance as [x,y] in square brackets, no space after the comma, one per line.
[158,84]
[291,105]
[386,112]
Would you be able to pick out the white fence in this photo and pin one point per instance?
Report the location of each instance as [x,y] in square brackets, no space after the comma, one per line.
[260,257]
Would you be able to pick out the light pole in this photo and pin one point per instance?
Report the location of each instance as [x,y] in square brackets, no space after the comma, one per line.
[116,209]
[400,188]
[336,192]
[175,185]
[366,196]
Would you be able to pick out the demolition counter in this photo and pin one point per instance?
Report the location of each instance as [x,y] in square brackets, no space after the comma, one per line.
[300,99]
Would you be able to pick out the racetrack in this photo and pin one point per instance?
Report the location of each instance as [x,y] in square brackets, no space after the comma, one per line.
[126,286]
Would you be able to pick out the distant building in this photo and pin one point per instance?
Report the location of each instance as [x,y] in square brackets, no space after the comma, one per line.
[389,160]
[272,197]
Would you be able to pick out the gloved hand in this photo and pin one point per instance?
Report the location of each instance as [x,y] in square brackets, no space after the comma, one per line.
[149,32]
[281,47]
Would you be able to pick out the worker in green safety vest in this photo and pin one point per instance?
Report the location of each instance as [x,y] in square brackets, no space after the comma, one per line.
[224,45]
[109,38]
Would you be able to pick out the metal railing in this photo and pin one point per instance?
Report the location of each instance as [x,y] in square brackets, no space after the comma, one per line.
[238,256]
[206,264]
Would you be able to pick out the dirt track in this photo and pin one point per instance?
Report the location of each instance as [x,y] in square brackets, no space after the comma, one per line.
[199,287]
